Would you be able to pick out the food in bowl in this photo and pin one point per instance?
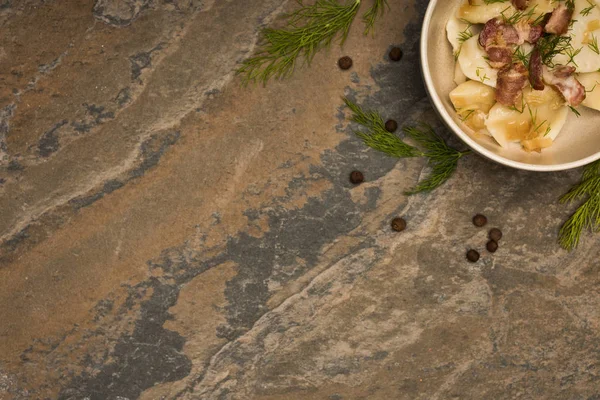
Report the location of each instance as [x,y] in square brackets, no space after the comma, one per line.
[521,66]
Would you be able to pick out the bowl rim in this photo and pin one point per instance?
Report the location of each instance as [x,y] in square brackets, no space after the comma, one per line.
[466,138]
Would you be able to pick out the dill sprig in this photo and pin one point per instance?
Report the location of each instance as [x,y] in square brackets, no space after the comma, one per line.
[586,11]
[519,56]
[375,11]
[593,45]
[552,45]
[587,215]
[463,36]
[574,110]
[377,137]
[442,158]
[311,28]
[525,15]
[571,53]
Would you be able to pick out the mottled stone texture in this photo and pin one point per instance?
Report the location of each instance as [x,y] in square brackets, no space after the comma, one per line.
[169,234]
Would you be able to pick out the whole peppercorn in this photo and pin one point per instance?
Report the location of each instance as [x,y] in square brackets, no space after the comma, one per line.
[479,220]
[472,255]
[396,54]
[495,234]
[357,177]
[345,62]
[492,246]
[398,224]
[391,125]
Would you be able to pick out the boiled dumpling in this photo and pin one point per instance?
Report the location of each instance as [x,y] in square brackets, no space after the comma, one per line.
[458,31]
[585,33]
[536,123]
[541,7]
[459,75]
[591,81]
[479,12]
[473,95]
[455,29]
[472,101]
[473,62]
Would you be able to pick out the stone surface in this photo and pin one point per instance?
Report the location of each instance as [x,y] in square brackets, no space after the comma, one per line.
[170,234]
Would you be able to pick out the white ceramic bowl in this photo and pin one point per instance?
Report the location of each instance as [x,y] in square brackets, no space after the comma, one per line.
[577,144]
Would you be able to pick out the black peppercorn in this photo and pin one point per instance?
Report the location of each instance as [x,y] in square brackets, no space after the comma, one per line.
[398,224]
[472,255]
[492,246]
[396,54]
[357,177]
[345,62]
[479,220]
[391,125]
[495,234]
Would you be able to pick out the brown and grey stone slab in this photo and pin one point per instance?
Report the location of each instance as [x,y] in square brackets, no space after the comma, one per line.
[169,234]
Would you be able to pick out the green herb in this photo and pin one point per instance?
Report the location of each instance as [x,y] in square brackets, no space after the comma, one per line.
[587,215]
[442,158]
[463,37]
[483,77]
[518,16]
[519,56]
[514,108]
[586,11]
[571,23]
[376,10]
[466,116]
[377,137]
[575,111]
[570,4]
[552,45]
[536,126]
[593,45]
[494,1]
[593,88]
[572,53]
[310,29]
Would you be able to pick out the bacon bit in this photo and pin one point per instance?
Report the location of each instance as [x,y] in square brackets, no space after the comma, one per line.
[498,40]
[509,86]
[559,20]
[496,32]
[563,80]
[527,32]
[535,70]
[520,4]
[499,56]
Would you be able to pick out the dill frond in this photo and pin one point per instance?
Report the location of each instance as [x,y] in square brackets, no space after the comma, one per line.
[593,45]
[552,45]
[466,34]
[587,215]
[572,53]
[376,136]
[586,11]
[442,158]
[517,16]
[574,110]
[375,11]
[519,56]
[310,29]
